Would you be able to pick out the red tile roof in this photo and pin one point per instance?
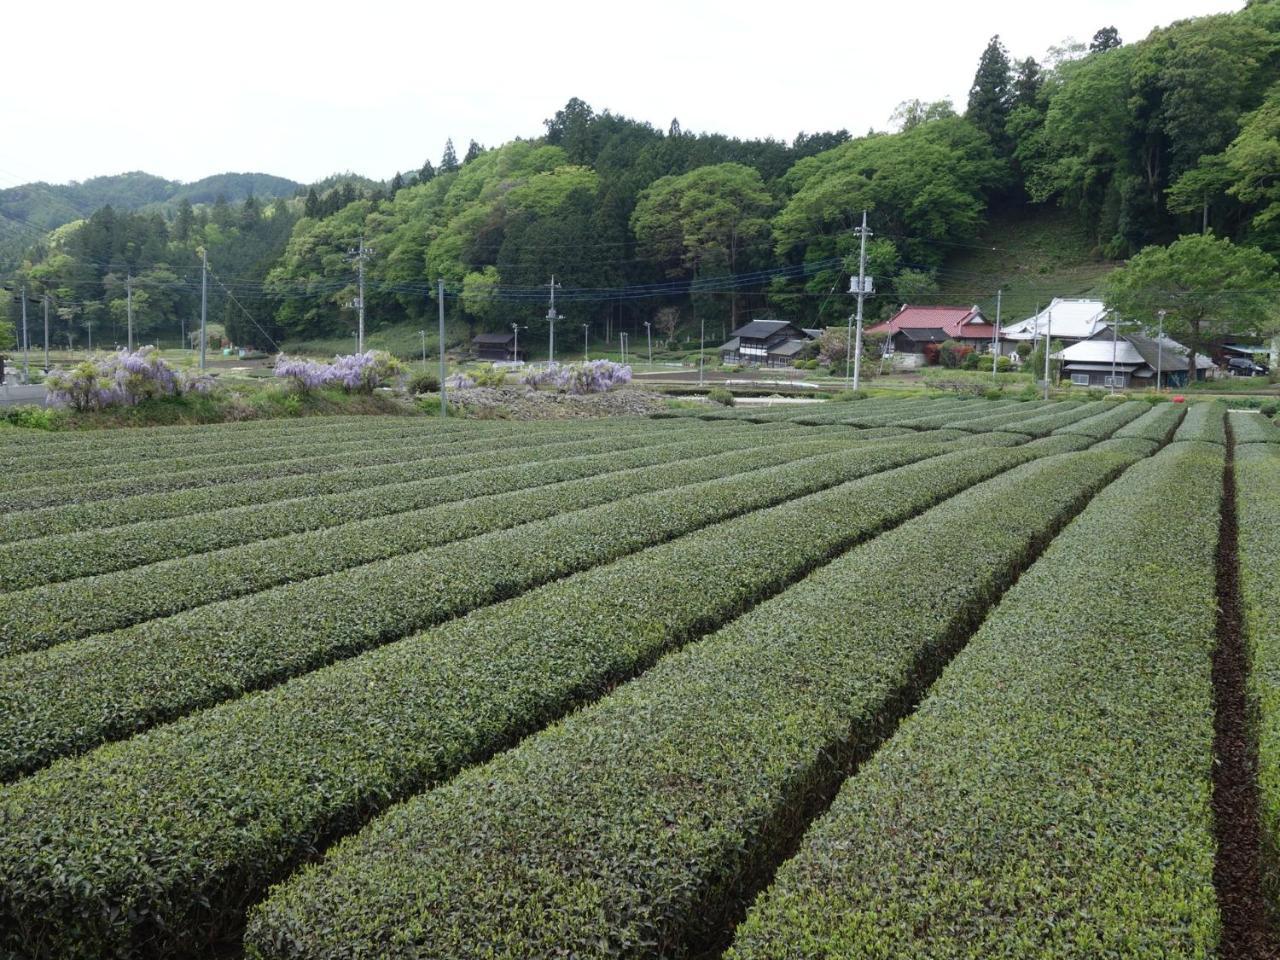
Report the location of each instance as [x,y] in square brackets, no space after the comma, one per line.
[958,322]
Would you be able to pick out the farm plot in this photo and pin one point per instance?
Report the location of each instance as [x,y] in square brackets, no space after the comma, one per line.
[582,689]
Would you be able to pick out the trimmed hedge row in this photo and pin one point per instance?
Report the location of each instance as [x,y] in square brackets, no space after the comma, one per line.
[52,560]
[715,760]
[55,613]
[1254,428]
[1003,420]
[478,454]
[37,443]
[399,451]
[1051,796]
[1205,422]
[71,467]
[1046,423]
[868,413]
[133,678]
[234,796]
[1157,424]
[974,411]
[1105,424]
[1257,485]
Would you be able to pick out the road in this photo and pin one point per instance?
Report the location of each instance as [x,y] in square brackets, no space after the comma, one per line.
[13,394]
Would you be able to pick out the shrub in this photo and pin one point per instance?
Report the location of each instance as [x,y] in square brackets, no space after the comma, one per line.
[31,418]
[722,396]
[118,379]
[489,376]
[1004,364]
[423,381]
[972,360]
[595,376]
[1269,408]
[355,372]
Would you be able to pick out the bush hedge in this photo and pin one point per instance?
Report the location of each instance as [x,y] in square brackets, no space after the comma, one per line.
[715,757]
[1204,422]
[130,679]
[473,454]
[1257,483]
[234,796]
[1051,796]
[1255,429]
[151,481]
[1106,423]
[51,560]
[1157,424]
[71,467]
[55,613]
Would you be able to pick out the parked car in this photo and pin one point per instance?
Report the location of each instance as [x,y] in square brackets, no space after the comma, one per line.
[1244,367]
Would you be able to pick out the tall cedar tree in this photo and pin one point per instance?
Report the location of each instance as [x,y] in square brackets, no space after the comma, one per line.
[990,98]
[473,150]
[1027,83]
[449,162]
[427,173]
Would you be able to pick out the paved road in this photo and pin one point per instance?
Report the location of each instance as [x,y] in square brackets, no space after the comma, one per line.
[13,395]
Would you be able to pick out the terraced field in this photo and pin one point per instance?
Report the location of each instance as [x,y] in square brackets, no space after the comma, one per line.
[886,678]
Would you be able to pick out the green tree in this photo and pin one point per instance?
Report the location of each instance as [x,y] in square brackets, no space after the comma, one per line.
[991,96]
[1207,286]
[702,221]
[473,150]
[910,114]
[184,222]
[449,162]
[1108,38]
[479,294]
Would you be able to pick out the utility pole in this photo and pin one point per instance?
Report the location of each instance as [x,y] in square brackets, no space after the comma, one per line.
[702,348]
[128,293]
[995,351]
[360,255]
[515,351]
[853,352]
[423,334]
[204,305]
[46,333]
[586,335]
[552,317]
[1048,347]
[1115,342]
[444,395]
[26,360]
[622,339]
[1159,348]
[88,325]
[648,332]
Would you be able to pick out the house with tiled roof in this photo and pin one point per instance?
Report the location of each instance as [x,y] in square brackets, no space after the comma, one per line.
[912,328]
[1110,358]
[767,343]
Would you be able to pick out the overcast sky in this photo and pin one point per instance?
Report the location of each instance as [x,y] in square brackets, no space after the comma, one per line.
[302,91]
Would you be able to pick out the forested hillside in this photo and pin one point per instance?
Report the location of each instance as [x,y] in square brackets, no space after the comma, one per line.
[31,207]
[1127,145]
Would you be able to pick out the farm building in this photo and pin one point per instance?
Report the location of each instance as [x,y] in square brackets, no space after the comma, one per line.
[1137,359]
[498,347]
[1070,321]
[912,328]
[768,343]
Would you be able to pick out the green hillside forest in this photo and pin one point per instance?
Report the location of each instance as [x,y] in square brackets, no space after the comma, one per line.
[1117,145]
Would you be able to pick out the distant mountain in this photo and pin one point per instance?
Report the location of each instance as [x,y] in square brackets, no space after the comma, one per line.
[32,209]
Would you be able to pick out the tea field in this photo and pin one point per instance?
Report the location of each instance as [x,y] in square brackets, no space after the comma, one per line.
[881,678]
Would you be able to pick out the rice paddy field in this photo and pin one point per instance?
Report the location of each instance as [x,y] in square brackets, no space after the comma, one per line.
[945,678]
